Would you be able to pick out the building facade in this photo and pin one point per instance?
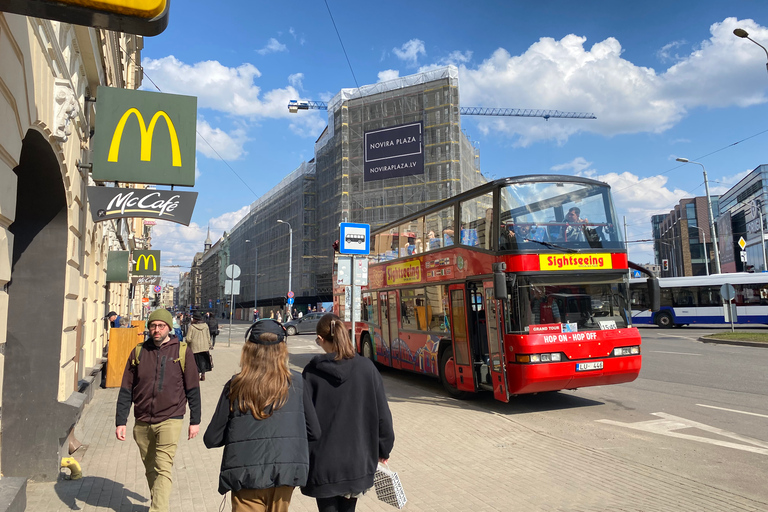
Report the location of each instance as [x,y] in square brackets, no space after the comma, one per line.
[682,238]
[53,257]
[742,215]
[331,188]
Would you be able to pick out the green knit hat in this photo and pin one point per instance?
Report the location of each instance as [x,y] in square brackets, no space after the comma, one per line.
[162,315]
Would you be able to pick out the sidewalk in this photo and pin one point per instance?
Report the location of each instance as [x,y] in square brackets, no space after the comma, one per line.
[451,456]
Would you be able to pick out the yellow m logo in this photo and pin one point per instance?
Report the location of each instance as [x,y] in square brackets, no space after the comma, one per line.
[146,137]
[146,262]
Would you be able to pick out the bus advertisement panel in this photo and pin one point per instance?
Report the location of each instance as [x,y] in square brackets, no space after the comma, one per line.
[517,286]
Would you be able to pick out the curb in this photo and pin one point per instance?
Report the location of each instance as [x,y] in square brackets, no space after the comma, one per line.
[719,341]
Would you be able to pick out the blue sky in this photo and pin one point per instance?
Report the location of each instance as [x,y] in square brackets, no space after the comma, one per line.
[665,79]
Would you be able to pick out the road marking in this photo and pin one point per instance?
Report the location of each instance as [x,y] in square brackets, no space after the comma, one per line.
[668,425]
[681,337]
[679,353]
[734,410]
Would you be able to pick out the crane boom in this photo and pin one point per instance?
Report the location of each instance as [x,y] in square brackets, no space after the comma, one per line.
[294,106]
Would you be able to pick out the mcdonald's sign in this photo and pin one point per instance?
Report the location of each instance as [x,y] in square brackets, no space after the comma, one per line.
[146,263]
[143,17]
[127,149]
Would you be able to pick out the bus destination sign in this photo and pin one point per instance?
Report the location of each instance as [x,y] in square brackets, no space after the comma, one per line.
[597,261]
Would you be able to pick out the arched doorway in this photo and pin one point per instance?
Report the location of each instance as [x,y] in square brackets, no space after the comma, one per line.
[35,424]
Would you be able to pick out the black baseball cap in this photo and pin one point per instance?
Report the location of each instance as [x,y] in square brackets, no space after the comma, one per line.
[266,325]
[111,313]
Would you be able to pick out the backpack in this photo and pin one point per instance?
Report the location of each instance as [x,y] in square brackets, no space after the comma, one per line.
[182,353]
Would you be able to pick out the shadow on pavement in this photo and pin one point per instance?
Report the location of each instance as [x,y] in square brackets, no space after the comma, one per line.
[96,491]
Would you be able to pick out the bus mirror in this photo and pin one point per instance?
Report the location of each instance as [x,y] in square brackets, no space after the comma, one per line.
[654,293]
[499,285]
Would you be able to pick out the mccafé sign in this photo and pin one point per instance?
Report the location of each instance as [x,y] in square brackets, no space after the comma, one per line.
[108,203]
[144,137]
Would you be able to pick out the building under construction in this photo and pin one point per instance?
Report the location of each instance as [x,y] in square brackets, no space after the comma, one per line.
[339,185]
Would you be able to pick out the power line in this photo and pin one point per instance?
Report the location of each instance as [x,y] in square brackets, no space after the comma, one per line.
[342,45]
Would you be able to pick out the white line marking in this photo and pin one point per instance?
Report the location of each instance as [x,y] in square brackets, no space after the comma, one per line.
[679,353]
[734,410]
[681,337]
[669,424]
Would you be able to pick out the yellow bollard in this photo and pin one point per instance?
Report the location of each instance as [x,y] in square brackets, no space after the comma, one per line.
[75,473]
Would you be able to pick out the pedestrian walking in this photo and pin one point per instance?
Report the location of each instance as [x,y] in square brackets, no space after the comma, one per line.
[199,338]
[357,433]
[213,327]
[263,420]
[156,382]
[279,317]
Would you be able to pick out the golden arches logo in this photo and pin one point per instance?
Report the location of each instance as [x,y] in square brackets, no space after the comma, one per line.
[146,137]
[146,262]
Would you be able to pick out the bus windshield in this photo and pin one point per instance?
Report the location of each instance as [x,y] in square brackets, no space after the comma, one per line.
[563,215]
[588,303]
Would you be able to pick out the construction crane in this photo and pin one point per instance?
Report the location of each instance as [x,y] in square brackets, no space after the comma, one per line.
[294,106]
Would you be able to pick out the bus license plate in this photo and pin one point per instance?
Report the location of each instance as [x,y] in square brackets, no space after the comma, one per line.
[585,367]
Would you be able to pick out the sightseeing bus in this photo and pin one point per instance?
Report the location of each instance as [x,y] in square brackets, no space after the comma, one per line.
[697,300]
[517,286]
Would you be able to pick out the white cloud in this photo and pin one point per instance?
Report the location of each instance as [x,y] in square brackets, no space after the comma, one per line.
[563,74]
[229,146]
[178,244]
[410,51]
[296,80]
[232,91]
[273,46]
[665,53]
[388,74]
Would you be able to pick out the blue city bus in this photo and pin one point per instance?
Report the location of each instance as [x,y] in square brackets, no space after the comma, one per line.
[697,300]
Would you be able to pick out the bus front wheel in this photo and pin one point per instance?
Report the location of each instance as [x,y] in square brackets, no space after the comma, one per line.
[367,348]
[664,320]
[448,374]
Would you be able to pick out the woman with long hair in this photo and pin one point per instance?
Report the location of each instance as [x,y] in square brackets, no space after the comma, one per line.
[264,419]
[351,405]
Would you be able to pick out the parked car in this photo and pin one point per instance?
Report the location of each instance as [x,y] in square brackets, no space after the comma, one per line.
[303,325]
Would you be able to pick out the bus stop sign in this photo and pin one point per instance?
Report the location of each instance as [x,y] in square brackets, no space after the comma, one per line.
[728,292]
[354,238]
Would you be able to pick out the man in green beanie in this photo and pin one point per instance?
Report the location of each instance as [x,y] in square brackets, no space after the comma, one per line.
[159,386]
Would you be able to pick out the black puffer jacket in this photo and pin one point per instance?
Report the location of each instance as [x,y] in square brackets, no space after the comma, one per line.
[356,423]
[261,454]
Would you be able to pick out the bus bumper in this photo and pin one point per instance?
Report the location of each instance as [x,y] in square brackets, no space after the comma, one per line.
[540,377]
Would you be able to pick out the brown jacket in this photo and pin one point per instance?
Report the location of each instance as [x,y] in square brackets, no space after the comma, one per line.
[157,386]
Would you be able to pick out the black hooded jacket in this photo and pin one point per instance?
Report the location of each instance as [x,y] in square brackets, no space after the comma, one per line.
[261,454]
[355,421]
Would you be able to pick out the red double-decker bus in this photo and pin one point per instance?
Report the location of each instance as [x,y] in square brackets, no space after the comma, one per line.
[517,286]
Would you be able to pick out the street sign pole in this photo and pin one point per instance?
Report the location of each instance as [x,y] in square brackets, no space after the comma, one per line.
[231,305]
[352,306]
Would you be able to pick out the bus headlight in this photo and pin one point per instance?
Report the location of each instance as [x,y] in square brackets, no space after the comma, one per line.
[626,351]
[552,357]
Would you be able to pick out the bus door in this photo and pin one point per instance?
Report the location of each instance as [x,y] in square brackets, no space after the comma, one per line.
[497,362]
[386,342]
[394,333]
[462,359]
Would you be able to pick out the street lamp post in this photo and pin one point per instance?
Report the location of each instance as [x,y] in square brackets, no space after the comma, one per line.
[290,259]
[740,32]
[255,269]
[706,252]
[711,215]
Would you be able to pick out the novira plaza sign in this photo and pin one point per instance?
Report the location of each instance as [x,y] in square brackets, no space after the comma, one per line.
[114,203]
[144,137]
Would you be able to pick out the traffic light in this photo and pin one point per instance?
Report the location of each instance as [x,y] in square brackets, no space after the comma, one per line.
[336,246]
[665,265]
[156,302]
